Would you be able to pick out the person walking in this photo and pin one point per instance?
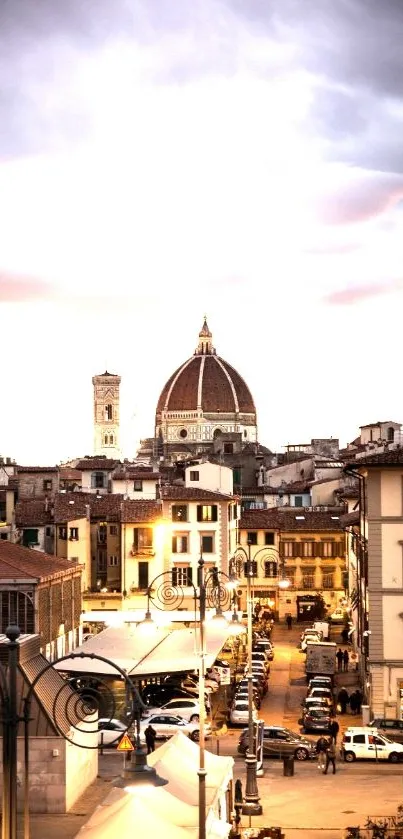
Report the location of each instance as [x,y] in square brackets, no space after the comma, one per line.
[345,661]
[321,747]
[334,728]
[150,735]
[353,702]
[358,697]
[330,757]
[289,621]
[342,699]
[339,656]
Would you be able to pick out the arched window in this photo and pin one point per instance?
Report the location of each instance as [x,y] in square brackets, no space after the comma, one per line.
[391,434]
[108,412]
[111,439]
[106,439]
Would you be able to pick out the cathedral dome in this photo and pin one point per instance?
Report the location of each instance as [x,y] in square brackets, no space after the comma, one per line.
[205,391]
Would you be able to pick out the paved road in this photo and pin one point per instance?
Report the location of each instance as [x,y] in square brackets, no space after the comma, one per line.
[309,803]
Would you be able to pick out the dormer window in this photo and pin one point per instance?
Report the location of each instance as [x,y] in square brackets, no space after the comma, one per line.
[138,486]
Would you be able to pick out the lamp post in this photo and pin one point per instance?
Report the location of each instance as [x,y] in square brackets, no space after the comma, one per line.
[164,593]
[70,712]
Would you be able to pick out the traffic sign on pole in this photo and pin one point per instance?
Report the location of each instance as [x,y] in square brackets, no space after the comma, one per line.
[125,744]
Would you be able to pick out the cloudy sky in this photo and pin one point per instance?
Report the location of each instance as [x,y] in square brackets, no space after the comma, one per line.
[162,159]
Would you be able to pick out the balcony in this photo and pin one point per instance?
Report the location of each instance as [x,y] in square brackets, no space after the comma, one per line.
[137,550]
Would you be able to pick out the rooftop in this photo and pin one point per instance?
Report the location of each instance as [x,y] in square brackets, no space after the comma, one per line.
[295,518]
[17,562]
[390,457]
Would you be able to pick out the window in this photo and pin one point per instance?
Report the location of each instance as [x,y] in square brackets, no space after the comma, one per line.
[298,501]
[288,548]
[143,575]
[183,433]
[308,578]
[391,434]
[328,580]
[270,568]
[30,537]
[106,439]
[180,543]
[194,475]
[108,412]
[111,439]
[179,512]
[207,512]
[138,486]
[113,560]
[308,549]
[182,576]
[269,538]
[252,537]
[102,534]
[98,480]
[101,562]
[237,474]
[142,538]
[73,536]
[228,448]
[113,530]
[207,543]
[47,485]
[48,531]
[359,738]
[62,532]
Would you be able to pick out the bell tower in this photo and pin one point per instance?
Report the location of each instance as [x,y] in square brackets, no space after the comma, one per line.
[106,415]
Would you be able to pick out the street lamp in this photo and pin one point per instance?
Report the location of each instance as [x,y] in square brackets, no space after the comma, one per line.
[251,805]
[167,594]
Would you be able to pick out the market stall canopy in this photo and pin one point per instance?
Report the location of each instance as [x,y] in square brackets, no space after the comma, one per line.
[130,816]
[178,764]
[141,655]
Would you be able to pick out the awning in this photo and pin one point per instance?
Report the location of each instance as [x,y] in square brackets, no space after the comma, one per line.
[146,655]
[178,764]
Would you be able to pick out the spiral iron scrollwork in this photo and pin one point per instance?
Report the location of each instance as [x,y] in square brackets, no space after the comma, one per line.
[76,699]
[217,593]
[165,594]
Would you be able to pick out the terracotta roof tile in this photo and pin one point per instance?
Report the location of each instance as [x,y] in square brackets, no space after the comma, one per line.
[295,518]
[349,519]
[33,513]
[182,493]
[17,562]
[97,463]
[37,469]
[392,457]
[135,475]
[70,506]
[141,511]
[181,390]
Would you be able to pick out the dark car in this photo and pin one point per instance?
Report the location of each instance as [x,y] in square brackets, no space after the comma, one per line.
[280,742]
[316,719]
[157,695]
[391,728]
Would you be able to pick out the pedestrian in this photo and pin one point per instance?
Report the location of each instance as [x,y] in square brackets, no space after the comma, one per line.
[334,728]
[330,757]
[353,702]
[344,635]
[342,700]
[358,696]
[289,621]
[150,735]
[345,661]
[321,747]
[339,656]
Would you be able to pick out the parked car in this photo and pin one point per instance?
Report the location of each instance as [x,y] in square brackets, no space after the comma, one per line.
[243,694]
[267,646]
[393,729]
[110,732]
[239,713]
[190,684]
[309,639]
[321,693]
[363,742]
[280,742]
[188,708]
[165,725]
[310,630]
[243,684]
[320,682]
[316,718]
[157,695]
[314,702]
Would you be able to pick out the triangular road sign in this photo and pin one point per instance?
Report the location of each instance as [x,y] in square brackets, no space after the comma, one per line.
[125,744]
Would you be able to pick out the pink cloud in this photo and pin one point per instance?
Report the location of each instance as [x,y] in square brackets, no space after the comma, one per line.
[349,296]
[15,289]
[362,199]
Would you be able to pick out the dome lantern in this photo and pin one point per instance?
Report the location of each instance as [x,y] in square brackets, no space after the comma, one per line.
[205,346]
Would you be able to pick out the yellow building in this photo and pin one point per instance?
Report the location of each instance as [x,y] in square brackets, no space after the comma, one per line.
[299,554]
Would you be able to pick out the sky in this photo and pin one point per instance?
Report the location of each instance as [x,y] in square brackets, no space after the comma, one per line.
[161,160]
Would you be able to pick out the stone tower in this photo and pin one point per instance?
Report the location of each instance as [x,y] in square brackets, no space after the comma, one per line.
[106,415]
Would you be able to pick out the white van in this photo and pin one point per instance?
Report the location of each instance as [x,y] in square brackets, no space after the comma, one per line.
[323,627]
[362,742]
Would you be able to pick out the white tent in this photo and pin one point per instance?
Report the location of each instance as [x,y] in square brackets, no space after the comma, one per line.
[177,760]
[130,816]
[146,655]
